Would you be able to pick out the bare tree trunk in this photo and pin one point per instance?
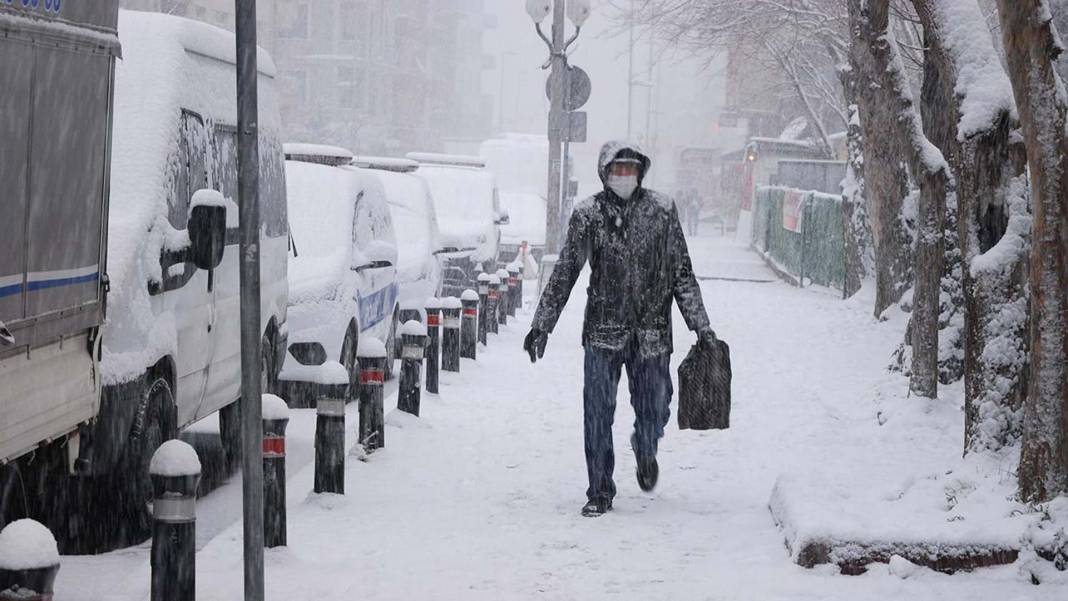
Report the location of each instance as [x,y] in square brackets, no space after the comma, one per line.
[1032,48]
[886,179]
[929,170]
[855,223]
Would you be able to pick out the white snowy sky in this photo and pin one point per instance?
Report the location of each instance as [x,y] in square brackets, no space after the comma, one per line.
[689,96]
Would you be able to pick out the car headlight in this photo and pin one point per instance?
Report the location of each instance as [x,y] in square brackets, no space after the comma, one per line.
[308,353]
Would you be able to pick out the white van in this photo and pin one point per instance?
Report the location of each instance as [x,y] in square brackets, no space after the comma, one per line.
[342,276]
[419,249]
[171,341]
[469,215]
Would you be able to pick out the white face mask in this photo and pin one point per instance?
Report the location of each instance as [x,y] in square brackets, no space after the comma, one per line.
[623,185]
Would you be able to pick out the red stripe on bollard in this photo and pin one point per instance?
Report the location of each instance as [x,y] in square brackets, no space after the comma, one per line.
[274,446]
[471,312]
[372,377]
[493,293]
[433,320]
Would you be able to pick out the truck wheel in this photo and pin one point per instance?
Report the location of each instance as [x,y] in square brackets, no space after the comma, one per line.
[13,504]
[153,425]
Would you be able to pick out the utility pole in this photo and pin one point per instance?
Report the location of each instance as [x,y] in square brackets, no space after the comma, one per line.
[630,73]
[556,120]
[560,108]
[248,173]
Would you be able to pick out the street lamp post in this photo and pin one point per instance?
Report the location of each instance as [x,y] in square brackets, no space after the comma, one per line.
[577,11]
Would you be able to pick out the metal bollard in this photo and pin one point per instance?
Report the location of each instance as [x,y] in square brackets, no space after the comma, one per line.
[433,345]
[502,296]
[469,325]
[493,303]
[330,445]
[371,355]
[28,580]
[413,347]
[175,473]
[519,283]
[483,298]
[275,419]
[450,335]
[514,300]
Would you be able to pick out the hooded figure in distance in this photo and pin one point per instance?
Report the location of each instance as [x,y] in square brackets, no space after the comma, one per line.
[634,243]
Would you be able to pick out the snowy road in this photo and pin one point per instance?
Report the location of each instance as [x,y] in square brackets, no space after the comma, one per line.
[480,498]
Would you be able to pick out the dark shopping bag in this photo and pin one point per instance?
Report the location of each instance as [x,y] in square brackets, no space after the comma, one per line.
[705,388]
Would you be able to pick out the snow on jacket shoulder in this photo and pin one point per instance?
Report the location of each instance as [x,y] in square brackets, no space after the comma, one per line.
[639,262]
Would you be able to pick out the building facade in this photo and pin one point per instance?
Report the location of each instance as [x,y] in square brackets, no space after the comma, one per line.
[375,76]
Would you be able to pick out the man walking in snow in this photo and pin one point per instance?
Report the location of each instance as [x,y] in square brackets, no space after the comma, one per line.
[634,243]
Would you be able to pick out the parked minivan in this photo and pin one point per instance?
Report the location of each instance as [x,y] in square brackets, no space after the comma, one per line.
[171,341]
[469,215]
[342,275]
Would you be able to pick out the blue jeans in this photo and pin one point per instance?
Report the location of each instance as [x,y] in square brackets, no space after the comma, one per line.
[650,395]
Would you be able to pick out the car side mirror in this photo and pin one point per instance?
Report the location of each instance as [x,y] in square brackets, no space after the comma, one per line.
[502,219]
[207,229]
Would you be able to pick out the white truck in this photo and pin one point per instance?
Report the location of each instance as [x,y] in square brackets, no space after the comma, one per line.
[57,64]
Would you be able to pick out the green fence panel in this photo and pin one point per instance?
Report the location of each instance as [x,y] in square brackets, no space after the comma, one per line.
[816,253]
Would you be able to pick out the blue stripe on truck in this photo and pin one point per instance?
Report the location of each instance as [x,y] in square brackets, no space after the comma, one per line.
[49,283]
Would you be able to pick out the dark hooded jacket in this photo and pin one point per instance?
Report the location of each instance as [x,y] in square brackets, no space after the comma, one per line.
[639,263]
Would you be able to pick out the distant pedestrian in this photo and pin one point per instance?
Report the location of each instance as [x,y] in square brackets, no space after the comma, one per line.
[633,240]
[693,212]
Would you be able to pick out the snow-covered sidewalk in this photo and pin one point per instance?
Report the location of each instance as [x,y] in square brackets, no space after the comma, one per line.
[479,498]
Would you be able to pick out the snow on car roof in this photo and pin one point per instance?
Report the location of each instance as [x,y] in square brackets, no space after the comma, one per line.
[386,163]
[434,158]
[317,153]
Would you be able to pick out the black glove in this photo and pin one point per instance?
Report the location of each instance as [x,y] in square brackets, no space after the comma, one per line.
[534,344]
[706,337]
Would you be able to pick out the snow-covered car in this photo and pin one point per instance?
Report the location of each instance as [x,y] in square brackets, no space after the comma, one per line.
[469,215]
[526,225]
[171,341]
[419,265]
[519,162]
[342,278]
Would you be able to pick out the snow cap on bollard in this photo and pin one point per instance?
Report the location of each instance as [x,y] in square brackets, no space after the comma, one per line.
[451,303]
[174,459]
[175,473]
[432,303]
[27,545]
[483,283]
[274,408]
[413,340]
[413,328]
[29,561]
[503,274]
[469,295]
[371,348]
[332,373]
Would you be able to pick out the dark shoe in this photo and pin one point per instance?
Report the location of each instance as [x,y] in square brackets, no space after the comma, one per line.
[648,472]
[596,508]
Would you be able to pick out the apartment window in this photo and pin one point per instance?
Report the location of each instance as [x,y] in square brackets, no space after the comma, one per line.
[293,21]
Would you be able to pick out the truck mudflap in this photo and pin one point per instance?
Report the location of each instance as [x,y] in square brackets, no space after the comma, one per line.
[103,440]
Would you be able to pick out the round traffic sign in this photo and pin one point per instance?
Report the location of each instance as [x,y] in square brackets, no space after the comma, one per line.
[578,86]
